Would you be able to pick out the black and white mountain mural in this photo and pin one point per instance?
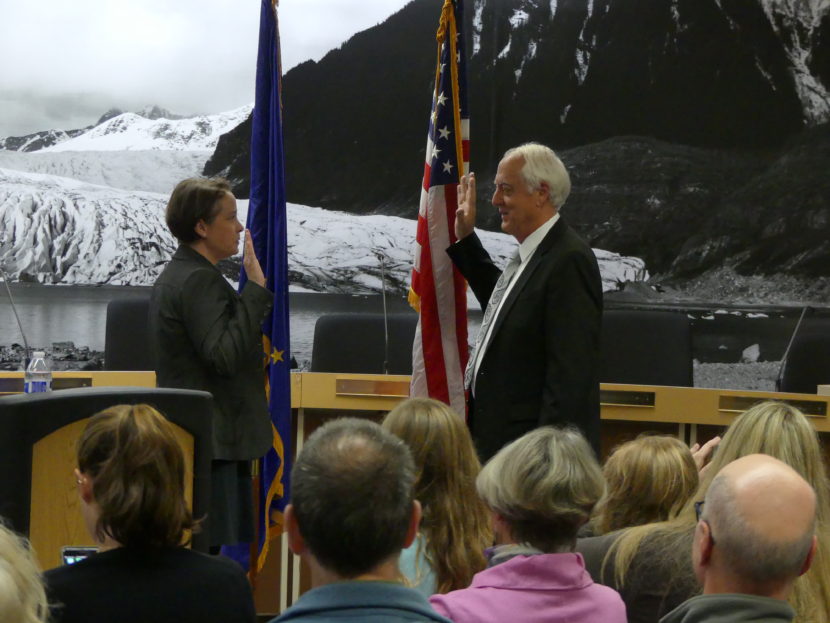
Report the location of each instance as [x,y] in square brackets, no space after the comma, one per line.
[696,131]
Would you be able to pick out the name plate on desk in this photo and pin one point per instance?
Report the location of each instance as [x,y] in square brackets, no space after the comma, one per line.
[626,398]
[738,404]
[372,387]
[14,385]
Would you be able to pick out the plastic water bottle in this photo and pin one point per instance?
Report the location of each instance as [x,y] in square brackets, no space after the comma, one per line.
[38,377]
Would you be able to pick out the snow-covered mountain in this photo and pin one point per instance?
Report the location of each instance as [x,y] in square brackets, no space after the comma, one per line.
[38,140]
[58,230]
[47,138]
[144,151]
[133,132]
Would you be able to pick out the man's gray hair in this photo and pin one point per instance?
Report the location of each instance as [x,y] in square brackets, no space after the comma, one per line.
[352,493]
[545,485]
[752,556]
[541,164]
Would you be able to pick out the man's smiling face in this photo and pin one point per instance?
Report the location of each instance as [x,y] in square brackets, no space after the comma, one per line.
[522,210]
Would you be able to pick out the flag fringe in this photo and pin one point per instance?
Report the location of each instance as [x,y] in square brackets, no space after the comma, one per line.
[275,490]
[414,300]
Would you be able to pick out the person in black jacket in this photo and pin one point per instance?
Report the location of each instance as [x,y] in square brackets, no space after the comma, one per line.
[131,481]
[206,336]
[535,362]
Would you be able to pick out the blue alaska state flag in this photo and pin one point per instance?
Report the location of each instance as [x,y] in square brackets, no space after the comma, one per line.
[267,222]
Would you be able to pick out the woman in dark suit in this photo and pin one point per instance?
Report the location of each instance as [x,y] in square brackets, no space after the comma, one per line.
[208,337]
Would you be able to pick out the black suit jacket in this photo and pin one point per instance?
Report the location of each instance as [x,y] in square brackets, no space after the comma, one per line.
[541,365]
[207,336]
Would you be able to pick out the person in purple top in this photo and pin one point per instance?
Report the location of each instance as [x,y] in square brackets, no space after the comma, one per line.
[540,488]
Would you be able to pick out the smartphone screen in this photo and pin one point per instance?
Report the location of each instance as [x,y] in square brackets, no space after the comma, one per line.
[71,555]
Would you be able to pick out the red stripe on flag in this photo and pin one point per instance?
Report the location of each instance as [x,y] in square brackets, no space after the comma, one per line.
[431,330]
[459,283]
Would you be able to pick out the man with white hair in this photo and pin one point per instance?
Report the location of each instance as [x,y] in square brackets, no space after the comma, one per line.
[535,361]
[754,538]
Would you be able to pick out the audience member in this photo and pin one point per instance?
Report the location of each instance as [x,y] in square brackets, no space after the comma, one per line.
[703,453]
[22,598]
[647,479]
[541,488]
[455,524]
[352,512]
[755,536]
[130,479]
[650,565]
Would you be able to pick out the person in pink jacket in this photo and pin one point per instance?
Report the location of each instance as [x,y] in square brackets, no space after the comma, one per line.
[540,488]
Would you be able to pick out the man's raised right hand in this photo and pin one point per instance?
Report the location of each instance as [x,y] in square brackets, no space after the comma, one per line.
[465,215]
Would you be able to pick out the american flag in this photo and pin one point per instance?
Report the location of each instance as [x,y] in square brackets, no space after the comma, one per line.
[438,291]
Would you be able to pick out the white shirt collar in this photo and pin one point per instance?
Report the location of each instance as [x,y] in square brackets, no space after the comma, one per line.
[530,243]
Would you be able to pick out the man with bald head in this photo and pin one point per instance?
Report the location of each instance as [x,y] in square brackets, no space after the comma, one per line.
[535,361]
[755,536]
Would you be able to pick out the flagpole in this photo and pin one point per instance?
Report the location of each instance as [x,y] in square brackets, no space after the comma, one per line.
[253,569]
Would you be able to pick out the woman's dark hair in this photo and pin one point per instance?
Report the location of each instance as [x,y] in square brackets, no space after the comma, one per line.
[137,470]
[194,200]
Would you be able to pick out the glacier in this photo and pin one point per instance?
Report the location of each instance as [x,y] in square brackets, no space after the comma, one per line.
[57,230]
[154,171]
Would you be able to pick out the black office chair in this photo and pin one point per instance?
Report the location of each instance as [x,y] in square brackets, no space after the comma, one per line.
[808,363]
[127,342]
[643,347]
[355,343]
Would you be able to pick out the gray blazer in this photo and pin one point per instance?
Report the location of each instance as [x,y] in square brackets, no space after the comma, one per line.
[206,336]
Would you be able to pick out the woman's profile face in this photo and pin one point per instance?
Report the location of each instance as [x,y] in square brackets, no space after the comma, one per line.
[221,236]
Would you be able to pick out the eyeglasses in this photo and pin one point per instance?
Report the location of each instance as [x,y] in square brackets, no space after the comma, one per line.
[698,513]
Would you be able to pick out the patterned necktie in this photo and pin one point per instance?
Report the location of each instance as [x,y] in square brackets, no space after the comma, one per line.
[492,306]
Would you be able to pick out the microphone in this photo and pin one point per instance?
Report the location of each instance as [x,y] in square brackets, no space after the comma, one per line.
[789,346]
[26,352]
[385,313]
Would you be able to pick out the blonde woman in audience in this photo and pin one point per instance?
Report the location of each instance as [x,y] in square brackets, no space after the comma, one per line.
[130,479]
[22,598]
[651,566]
[540,489]
[647,479]
[455,528]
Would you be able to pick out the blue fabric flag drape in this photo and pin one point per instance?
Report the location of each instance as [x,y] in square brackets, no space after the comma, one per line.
[267,222]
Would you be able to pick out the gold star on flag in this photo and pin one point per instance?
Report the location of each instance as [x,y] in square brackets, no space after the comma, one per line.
[276,355]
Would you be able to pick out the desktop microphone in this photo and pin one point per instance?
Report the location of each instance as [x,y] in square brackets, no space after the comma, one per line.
[385,314]
[789,346]
[26,351]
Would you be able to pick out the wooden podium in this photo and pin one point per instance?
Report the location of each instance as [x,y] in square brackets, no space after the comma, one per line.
[38,434]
